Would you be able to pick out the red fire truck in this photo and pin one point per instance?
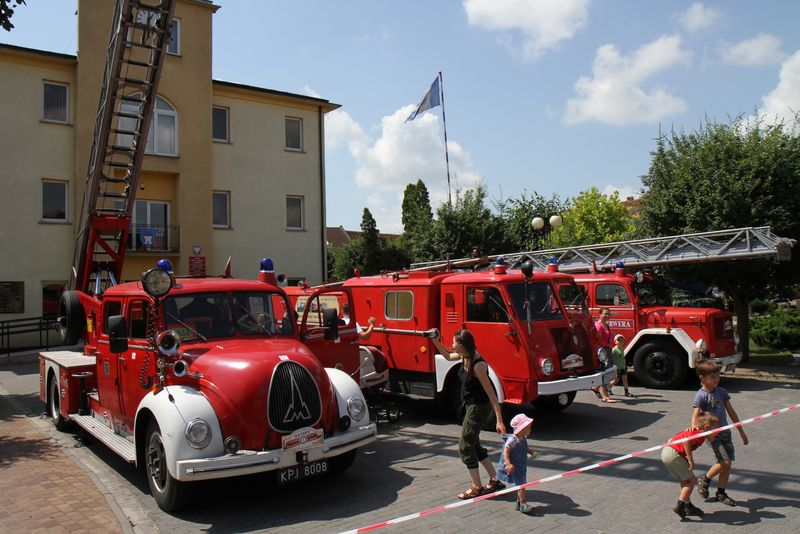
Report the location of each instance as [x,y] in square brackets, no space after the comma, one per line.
[662,341]
[193,378]
[533,329]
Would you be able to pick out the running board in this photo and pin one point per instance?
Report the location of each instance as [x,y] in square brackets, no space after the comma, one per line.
[105,435]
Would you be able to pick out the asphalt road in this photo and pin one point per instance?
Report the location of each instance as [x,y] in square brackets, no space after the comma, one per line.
[414,466]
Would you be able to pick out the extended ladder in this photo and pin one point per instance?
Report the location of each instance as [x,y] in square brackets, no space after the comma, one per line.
[721,245]
[139,37]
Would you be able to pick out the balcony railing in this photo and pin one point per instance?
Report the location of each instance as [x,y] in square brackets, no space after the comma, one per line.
[150,238]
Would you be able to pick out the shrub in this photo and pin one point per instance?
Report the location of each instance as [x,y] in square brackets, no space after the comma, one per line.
[780,330]
[759,306]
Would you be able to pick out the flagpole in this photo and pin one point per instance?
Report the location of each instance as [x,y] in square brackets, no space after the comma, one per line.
[444,123]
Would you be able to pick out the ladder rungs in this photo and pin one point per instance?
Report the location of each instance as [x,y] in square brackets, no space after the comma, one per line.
[132,81]
[142,45]
[125,115]
[144,27]
[109,211]
[114,180]
[114,195]
[138,63]
[120,148]
[118,164]
[124,132]
[132,98]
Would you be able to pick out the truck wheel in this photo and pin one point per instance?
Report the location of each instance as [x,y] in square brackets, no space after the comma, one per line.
[54,405]
[342,462]
[71,319]
[658,365]
[168,493]
[555,403]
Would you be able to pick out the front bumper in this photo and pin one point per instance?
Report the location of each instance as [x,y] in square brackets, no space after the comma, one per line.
[249,462]
[727,364]
[577,383]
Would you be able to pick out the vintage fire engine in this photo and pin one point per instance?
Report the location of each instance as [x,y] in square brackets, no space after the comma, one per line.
[191,378]
[662,341]
[533,329]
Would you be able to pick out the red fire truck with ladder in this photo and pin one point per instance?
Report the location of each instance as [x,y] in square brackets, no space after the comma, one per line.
[189,378]
[662,341]
[533,329]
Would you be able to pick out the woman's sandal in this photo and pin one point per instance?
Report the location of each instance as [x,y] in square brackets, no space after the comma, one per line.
[630,395]
[610,400]
[493,485]
[597,393]
[471,493]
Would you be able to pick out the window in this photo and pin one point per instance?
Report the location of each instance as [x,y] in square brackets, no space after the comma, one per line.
[111,308]
[536,301]
[174,45]
[137,319]
[611,295]
[485,305]
[294,213]
[51,294]
[399,305]
[574,299]
[55,102]
[294,133]
[150,225]
[219,124]
[221,210]
[162,137]
[54,200]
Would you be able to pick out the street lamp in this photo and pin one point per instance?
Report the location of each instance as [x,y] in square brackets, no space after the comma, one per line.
[539,224]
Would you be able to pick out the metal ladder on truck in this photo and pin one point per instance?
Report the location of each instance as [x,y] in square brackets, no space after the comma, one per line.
[135,57]
[721,245]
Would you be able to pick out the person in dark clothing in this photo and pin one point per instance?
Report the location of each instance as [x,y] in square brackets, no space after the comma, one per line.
[480,399]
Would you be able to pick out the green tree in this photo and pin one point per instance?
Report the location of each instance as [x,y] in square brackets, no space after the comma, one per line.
[7,11]
[370,244]
[592,218]
[517,215]
[728,176]
[417,221]
[467,224]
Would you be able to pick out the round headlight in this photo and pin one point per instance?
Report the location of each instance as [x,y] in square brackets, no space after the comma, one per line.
[601,354]
[701,345]
[157,282]
[356,408]
[547,366]
[198,433]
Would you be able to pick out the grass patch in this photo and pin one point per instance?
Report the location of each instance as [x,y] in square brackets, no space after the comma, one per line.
[765,356]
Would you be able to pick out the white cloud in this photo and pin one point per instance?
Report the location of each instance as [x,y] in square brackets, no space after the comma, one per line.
[543,23]
[764,49]
[614,94]
[784,101]
[699,17]
[623,191]
[341,129]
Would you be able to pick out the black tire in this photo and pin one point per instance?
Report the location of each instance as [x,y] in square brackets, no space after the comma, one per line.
[555,403]
[169,494]
[71,319]
[342,462]
[660,365]
[54,405]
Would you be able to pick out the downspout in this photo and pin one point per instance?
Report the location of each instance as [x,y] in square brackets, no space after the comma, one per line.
[322,192]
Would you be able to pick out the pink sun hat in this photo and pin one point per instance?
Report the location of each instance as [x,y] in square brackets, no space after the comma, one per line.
[520,421]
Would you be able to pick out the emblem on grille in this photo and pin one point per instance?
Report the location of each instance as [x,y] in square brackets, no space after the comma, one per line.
[294,398]
[297,410]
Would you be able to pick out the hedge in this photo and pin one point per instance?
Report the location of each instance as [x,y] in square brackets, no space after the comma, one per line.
[779,330]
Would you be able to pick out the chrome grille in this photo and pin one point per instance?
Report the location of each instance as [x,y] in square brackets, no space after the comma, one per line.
[294,400]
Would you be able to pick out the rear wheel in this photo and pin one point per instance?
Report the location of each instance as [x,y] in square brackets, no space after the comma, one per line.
[660,365]
[168,493]
[71,318]
[54,405]
[555,403]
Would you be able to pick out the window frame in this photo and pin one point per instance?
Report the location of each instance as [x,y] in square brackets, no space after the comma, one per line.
[618,287]
[65,183]
[395,293]
[302,212]
[228,209]
[177,23]
[286,146]
[45,118]
[227,138]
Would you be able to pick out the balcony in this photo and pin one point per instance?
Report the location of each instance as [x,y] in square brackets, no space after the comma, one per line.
[150,238]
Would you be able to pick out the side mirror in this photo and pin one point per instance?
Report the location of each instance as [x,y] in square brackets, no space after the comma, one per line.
[330,320]
[118,341]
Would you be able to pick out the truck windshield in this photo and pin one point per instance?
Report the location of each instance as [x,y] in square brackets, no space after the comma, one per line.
[573,298]
[654,293]
[260,312]
[544,305]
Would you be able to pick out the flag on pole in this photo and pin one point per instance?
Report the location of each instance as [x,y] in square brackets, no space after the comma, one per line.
[431,99]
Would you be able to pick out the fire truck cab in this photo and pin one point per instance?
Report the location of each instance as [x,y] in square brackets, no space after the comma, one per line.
[204,378]
[662,341]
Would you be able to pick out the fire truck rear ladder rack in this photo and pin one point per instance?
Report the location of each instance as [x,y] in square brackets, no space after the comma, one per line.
[135,57]
[722,245]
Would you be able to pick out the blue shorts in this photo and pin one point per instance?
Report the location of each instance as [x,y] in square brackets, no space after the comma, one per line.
[722,445]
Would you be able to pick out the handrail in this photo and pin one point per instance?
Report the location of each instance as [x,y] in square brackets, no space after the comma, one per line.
[14,327]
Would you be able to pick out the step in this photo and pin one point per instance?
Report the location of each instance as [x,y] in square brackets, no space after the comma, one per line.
[105,435]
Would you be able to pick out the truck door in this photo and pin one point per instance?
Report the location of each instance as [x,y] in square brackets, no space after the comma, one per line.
[617,299]
[137,366]
[324,328]
[108,365]
[488,318]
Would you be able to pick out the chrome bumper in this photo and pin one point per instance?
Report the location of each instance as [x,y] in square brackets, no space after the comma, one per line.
[555,387]
[728,363]
[249,462]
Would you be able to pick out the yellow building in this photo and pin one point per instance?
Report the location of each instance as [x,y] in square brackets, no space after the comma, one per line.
[230,170]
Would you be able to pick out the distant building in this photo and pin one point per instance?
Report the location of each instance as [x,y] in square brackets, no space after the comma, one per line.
[231,170]
[633,206]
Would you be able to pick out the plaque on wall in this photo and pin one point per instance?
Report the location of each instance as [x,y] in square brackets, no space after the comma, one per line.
[12,297]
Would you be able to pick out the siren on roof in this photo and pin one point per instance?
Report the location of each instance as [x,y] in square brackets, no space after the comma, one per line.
[500,265]
[552,265]
[266,272]
[619,268]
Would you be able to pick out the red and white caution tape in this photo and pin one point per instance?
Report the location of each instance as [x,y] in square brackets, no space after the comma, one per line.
[605,463]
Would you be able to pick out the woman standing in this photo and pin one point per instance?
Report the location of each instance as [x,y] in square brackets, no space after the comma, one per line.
[480,399]
[603,331]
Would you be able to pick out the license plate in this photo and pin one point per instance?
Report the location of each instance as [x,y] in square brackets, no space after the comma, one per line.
[300,472]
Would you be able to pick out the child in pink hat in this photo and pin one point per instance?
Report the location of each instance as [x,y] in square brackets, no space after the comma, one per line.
[513,467]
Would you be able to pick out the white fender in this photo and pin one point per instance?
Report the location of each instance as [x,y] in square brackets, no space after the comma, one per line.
[443,367]
[173,408]
[346,388]
[678,334]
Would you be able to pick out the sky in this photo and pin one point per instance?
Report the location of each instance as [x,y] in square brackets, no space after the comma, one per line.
[545,96]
